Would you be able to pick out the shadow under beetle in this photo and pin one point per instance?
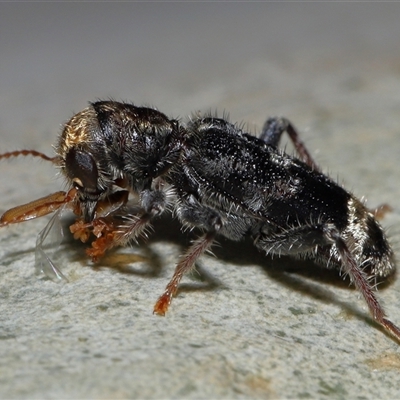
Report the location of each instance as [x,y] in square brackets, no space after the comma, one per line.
[212,176]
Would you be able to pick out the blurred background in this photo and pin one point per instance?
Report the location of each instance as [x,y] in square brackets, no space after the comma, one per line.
[333,68]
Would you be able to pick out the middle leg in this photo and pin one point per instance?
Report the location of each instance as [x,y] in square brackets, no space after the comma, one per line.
[192,214]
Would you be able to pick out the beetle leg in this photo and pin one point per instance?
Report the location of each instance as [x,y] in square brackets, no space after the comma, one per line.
[271,134]
[111,232]
[116,229]
[360,280]
[185,264]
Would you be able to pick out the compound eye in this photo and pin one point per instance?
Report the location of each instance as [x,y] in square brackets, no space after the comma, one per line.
[82,169]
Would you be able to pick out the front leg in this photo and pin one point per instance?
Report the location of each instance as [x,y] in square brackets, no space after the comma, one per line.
[110,232]
[118,228]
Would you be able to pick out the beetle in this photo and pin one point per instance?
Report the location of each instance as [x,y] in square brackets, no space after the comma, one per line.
[215,177]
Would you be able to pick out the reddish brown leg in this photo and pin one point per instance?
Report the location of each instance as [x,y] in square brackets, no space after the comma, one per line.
[109,232]
[117,228]
[300,146]
[184,265]
[360,280]
[111,235]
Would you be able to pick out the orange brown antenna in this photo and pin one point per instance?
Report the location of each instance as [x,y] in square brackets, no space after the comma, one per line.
[25,153]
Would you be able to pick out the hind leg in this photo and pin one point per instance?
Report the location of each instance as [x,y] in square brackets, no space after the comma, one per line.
[273,130]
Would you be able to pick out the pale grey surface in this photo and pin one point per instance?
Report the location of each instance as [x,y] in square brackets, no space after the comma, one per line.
[253,331]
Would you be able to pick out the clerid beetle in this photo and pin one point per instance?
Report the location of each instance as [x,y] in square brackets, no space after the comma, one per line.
[213,177]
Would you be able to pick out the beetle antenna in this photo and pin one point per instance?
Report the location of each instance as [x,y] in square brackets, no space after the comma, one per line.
[24,153]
